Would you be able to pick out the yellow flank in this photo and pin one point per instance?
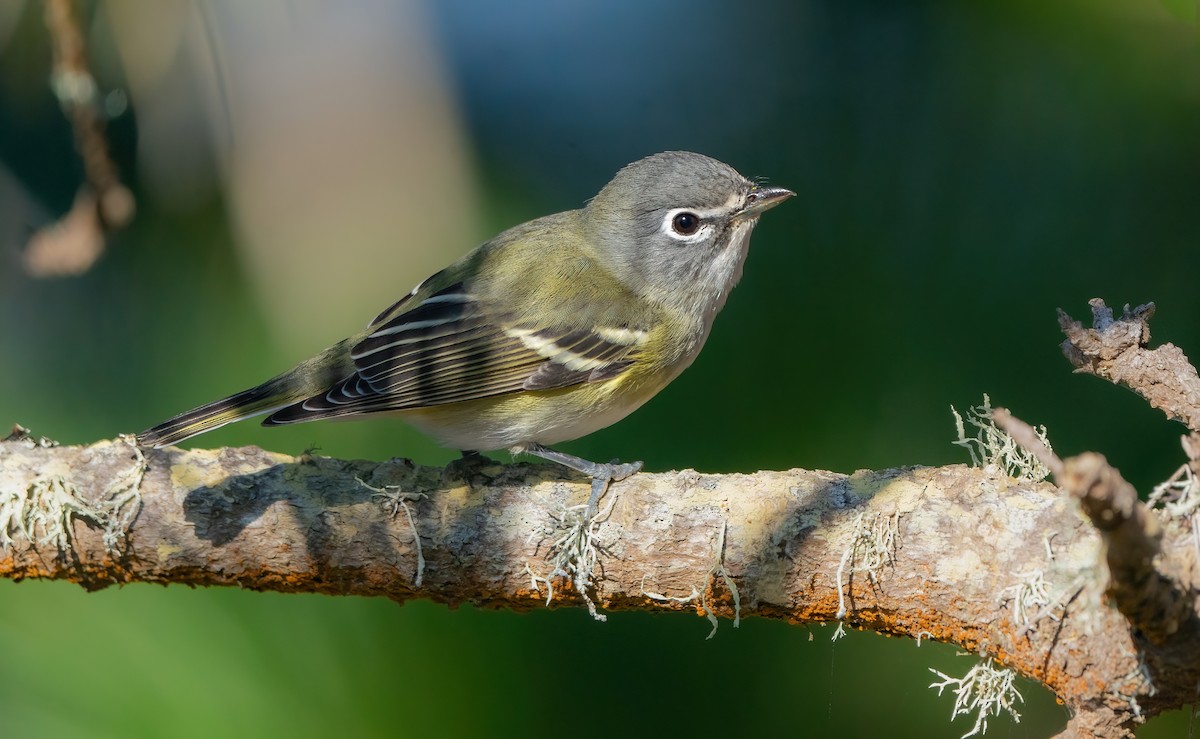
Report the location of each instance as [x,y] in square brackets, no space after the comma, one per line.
[551,416]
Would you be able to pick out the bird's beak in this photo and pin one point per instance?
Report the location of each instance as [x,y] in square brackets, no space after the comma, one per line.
[761,199]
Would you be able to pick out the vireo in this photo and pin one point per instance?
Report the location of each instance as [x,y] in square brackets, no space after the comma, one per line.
[549,331]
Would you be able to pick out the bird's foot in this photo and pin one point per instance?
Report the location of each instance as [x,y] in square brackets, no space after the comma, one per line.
[602,476]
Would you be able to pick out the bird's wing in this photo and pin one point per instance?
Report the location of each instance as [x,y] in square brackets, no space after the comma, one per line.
[447,346]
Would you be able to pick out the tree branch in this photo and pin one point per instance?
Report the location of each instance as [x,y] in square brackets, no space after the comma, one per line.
[1158,604]
[962,544]
[1115,350]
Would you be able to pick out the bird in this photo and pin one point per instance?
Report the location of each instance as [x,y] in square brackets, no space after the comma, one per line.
[547,332]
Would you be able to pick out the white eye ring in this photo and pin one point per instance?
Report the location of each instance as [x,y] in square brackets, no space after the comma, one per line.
[686,224]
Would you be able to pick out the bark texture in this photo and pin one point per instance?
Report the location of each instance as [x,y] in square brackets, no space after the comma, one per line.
[949,553]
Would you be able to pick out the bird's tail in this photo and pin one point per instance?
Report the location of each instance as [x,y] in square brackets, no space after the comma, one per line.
[304,381]
[245,404]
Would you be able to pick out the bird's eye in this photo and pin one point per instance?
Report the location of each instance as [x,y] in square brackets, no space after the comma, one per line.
[685,224]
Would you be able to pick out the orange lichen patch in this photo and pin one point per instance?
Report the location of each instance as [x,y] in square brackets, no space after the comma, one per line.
[720,602]
[11,570]
[91,577]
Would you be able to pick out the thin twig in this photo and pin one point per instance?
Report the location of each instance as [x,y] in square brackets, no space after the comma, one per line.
[71,245]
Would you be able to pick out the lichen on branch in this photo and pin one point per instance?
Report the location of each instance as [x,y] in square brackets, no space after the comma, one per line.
[954,536]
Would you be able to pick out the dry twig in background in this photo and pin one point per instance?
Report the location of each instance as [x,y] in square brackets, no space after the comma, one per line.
[72,245]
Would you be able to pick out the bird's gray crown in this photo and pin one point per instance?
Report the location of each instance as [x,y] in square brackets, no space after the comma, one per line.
[667,180]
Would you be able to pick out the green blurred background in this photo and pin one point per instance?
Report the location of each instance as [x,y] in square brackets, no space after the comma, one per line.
[962,169]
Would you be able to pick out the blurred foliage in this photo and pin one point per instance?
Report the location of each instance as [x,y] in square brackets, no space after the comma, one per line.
[962,168]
